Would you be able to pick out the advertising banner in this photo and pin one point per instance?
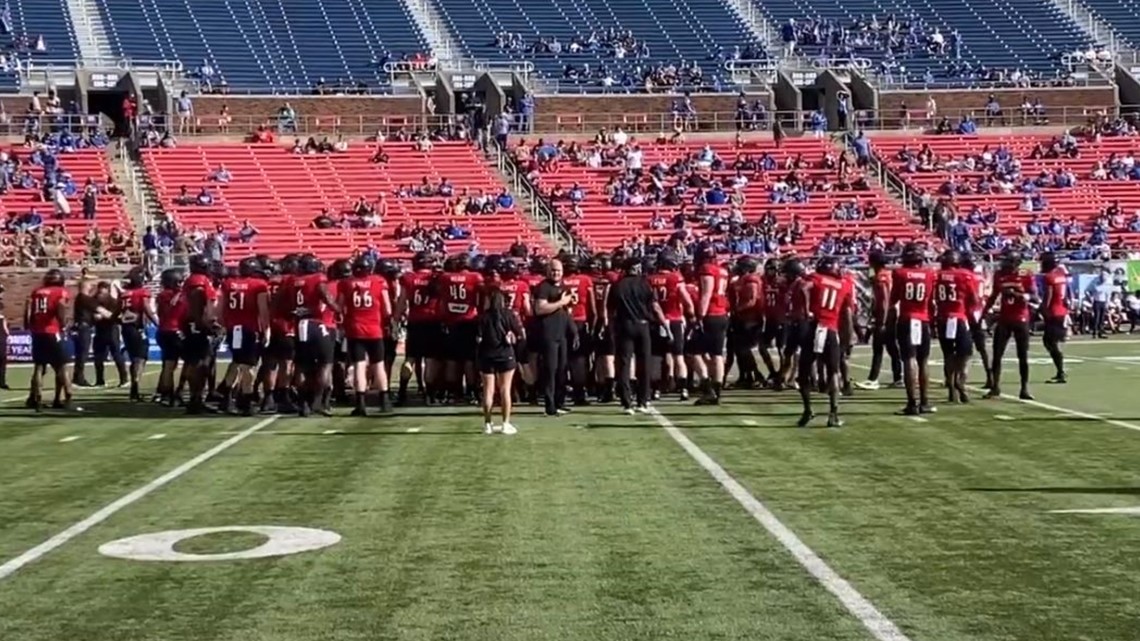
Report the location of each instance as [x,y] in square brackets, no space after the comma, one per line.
[20,347]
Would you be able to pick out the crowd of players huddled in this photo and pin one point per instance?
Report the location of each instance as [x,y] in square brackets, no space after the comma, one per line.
[304,337]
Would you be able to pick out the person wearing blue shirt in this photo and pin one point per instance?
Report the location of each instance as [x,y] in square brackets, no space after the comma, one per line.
[862,145]
[818,124]
[967,127]
[1100,292]
[716,195]
[526,113]
[505,200]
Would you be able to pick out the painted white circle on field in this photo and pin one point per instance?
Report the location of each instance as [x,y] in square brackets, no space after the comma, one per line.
[159,546]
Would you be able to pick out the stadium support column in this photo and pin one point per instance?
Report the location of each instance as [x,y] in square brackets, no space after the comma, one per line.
[831,91]
[444,96]
[864,99]
[493,95]
[788,101]
[1128,87]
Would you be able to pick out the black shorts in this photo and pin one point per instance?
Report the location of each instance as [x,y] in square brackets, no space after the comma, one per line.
[822,347]
[389,351]
[170,343]
[796,334]
[315,346]
[462,340]
[245,345]
[671,345]
[604,342]
[772,334]
[532,346]
[47,349]
[282,348]
[496,364]
[197,346]
[746,335]
[919,349]
[714,334]
[961,344]
[135,342]
[424,340]
[366,349]
[1055,329]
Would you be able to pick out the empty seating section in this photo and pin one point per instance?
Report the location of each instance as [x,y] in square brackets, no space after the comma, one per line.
[604,226]
[268,47]
[80,165]
[47,18]
[1087,200]
[673,31]
[1123,15]
[1028,35]
[280,193]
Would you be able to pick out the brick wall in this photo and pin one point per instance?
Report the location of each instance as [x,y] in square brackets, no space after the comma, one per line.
[1065,105]
[587,114]
[358,114]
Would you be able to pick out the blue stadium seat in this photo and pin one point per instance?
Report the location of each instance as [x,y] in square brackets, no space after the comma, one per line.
[48,18]
[268,46]
[1123,15]
[1027,35]
[673,30]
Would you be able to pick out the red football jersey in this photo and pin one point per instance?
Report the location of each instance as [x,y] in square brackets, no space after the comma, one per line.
[774,292]
[135,301]
[459,295]
[975,283]
[581,288]
[830,296]
[282,303]
[913,289]
[171,308]
[239,300]
[1057,284]
[797,300]
[718,301]
[667,286]
[1014,288]
[421,303]
[362,299]
[748,298]
[200,282]
[308,294]
[881,294]
[601,291]
[44,309]
[954,294]
[515,292]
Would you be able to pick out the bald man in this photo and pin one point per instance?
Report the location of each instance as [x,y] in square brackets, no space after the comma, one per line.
[552,301]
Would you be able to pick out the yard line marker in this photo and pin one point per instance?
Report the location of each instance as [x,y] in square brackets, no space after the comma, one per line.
[882,628]
[38,552]
[413,430]
[328,432]
[749,422]
[156,437]
[69,439]
[1003,417]
[918,419]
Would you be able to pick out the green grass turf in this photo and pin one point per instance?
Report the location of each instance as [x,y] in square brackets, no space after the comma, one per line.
[594,526]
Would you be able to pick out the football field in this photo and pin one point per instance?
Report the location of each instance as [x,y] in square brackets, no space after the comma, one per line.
[1000,520]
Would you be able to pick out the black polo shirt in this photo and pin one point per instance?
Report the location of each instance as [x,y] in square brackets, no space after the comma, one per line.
[554,326]
[631,300]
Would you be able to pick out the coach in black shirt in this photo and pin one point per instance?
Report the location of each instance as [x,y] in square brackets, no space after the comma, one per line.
[86,307]
[631,308]
[551,306]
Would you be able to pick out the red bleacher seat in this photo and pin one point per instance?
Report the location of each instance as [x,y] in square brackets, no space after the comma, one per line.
[280,193]
[82,164]
[604,226]
[1085,201]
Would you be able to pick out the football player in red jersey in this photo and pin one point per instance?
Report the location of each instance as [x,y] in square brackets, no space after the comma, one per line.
[197,326]
[712,315]
[337,272]
[746,303]
[669,289]
[884,317]
[418,305]
[245,316]
[1015,288]
[912,290]
[848,335]
[582,314]
[605,370]
[45,317]
[796,327]
[282,349]
[772,334]
[693,342]
[977,320]
[367,305]
[829,300]
[502,275]
[136,308]
[390,271]
[954,298]
[171,309]
[316,310]
[1055,311]
[458,288]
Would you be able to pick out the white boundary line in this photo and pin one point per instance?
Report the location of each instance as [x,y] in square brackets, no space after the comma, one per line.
[36,553]
[882,628]
[80,395]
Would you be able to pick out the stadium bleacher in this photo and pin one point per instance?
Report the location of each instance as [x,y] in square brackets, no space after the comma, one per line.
[672,30]
[31,19]
[280,193]
[1122,15]
[603,225]
[268,47]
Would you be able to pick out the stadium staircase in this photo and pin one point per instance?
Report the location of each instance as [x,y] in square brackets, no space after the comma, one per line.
[1115,23]
[91,35]
[604,226]
[1084,202]
[280,193]
[41,17]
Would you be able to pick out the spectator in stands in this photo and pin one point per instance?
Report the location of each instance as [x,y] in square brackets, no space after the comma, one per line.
[247,232]
[204,198]
[150,249]
[380,157]
[505,200]
[220,175]
[183,198]
[185,110]
[90,199]
[93,245]
[60,203]
[324,220]
[287,119]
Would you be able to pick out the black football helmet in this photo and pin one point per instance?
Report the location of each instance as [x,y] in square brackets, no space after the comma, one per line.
[912,255]
[249,267]
[199,264]
[794,268]
[171,278]
[877,259]
[828,266]
[422,260]
[950,259]
[388,268]
[54,278]
[745,265]
[309,264]
[364,265]
[1049,262]
[136,278]
[509,268]
[340,269]
[1010,260]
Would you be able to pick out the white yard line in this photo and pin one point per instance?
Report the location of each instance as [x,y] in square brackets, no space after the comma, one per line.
[38,552]
[882,628]
[413,430]
[69,439]
[749,422]
[156,437]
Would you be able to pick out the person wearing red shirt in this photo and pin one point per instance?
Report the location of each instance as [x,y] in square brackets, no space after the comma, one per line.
[977,320]
[1055,311]
[503,276]
[746,304]
[245,316]
[1016,290]
[390,271]
[458,288]
[171,308]
[669,289]
[317,310]
[45,317]
[883,318]
[601,267]
[282,349]
[795,301]
[198,323]
[418,306]
[712,319]
[582,313]
[954,299]
[364,296]
[912,290]
[772,334]
[830,309]
[136,308]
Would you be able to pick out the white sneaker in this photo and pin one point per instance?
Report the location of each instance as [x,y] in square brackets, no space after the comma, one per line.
[868,385]
[509,430]
[497,429]
[488,429]
[630,411]
[643,409]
